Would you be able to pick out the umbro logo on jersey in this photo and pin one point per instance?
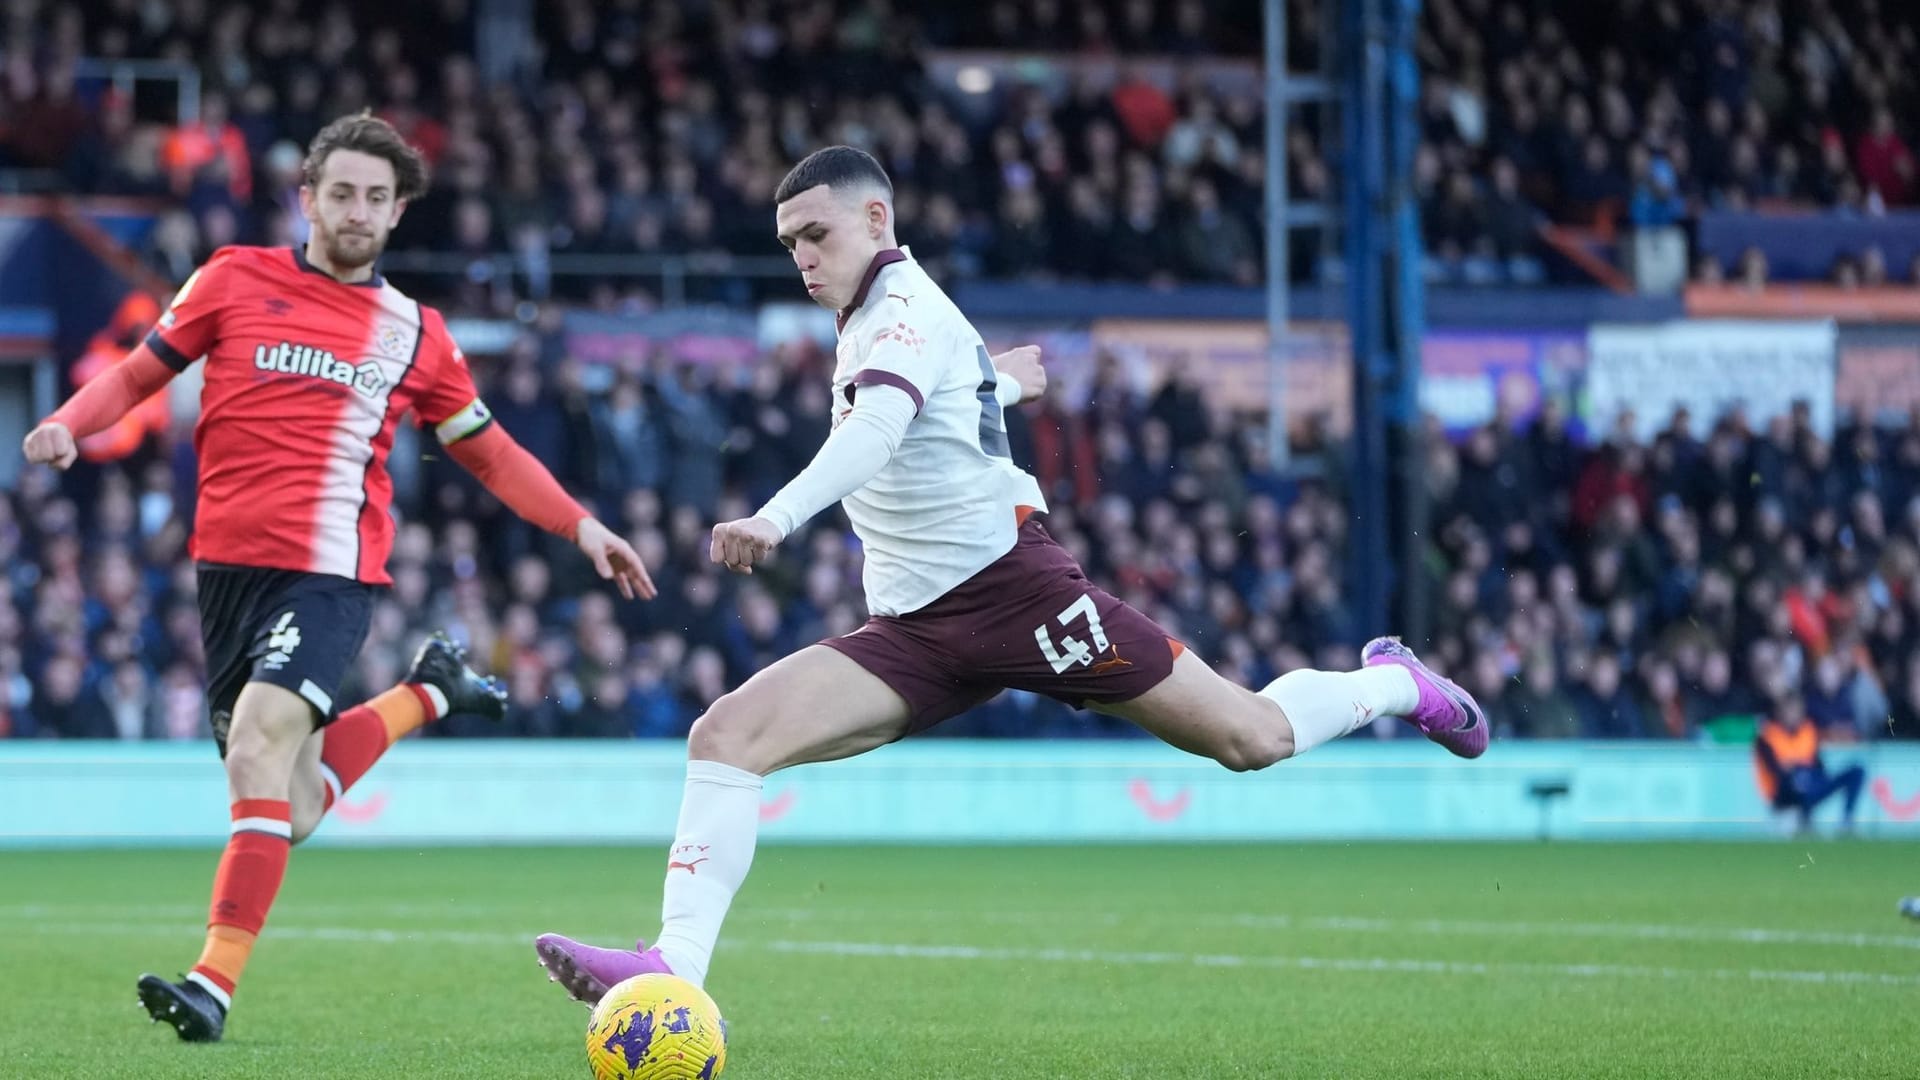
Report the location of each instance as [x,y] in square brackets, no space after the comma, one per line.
[290,359]
[277,306]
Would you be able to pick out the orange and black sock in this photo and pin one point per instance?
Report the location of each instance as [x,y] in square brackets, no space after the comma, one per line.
[243,890]
[361,734]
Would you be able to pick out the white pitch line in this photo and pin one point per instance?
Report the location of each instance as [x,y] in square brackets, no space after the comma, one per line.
[865,949]
[1740,935]
[1343,964]
[1743,935]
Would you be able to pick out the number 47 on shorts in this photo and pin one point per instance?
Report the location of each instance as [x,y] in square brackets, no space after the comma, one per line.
[1071,650]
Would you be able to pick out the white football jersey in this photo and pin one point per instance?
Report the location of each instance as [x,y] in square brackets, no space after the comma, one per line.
[945,506]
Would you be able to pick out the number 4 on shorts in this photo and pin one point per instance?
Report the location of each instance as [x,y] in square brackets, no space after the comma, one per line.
[1072,650]
[285,637]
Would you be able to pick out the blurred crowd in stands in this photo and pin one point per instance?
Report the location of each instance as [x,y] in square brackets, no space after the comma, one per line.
[1658,589]
[1646,113]
[662,128]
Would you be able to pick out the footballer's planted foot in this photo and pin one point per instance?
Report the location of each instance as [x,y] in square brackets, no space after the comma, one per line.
[442,665]
[185,1006]
[587,971]
[1447,714]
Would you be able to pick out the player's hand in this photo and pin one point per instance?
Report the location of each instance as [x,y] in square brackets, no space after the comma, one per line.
[737,545]
[615,559]
[50,444]
[1023,364]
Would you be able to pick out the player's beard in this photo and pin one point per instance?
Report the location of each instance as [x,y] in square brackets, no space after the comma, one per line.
[351,251]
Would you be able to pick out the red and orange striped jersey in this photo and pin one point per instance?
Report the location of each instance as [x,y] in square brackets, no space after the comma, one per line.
[306,379]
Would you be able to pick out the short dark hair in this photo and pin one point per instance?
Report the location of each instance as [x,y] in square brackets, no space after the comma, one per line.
[837,167]
[368,134]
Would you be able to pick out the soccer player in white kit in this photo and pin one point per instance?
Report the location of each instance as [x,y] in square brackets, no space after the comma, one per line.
[968,594]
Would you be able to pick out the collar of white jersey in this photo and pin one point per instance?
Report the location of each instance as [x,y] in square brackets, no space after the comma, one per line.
[881,260]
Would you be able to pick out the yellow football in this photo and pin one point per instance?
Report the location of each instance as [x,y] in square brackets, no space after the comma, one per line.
[656,1027]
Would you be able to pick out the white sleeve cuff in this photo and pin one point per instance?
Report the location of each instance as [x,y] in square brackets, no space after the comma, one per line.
[854,454]
[1007,390]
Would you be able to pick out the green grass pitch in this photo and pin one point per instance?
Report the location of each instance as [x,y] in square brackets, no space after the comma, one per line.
[1392,960]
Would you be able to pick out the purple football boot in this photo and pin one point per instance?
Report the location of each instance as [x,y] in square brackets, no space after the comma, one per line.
[1447,714]
[588,971]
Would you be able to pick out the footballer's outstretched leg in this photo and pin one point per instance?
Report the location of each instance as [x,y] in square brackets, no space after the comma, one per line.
[1203,713]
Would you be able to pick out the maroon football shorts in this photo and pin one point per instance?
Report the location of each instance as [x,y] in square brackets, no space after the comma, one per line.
[1030,621]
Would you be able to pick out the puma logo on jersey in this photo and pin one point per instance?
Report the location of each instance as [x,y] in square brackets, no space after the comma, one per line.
[290,359]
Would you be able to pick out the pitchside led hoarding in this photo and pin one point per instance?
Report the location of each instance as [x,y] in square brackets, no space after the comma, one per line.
[954,790]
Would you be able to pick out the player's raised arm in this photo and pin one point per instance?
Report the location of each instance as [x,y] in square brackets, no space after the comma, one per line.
[854,454]
[525,486]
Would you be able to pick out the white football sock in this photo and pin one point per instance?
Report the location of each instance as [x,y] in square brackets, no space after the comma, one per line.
[712,850]
[1324,705]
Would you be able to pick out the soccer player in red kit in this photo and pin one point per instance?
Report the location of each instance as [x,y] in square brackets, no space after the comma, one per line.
[312,360]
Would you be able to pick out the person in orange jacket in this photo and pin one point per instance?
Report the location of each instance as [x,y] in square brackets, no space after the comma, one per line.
[1790,772]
